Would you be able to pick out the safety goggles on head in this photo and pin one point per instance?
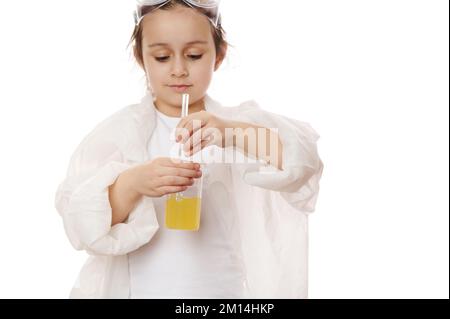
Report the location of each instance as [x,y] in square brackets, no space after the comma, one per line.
[211,8]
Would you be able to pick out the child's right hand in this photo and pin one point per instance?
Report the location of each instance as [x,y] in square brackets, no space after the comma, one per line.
[163,176]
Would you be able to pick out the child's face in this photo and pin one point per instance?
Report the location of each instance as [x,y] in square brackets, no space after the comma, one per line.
[178,49]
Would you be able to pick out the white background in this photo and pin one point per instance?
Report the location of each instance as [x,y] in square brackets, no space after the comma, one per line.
[370,76]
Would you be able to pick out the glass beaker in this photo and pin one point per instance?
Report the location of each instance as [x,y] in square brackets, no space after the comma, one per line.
[183,209]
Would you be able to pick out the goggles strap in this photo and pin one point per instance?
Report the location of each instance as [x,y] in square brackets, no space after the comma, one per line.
[138,16]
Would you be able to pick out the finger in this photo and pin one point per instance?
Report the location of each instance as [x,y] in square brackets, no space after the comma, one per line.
[198,115]
[176,181]
[182,134]
[195,139]
[200,146]
[209,135]
[180,129]
[204,141]
[191,127]
[204,133]
[177,163]
[171,189]
[183,121]
[189,173]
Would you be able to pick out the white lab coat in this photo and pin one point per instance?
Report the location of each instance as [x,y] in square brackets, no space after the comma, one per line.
[272,208]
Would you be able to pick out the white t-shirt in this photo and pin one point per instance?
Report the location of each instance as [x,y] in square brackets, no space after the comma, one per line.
[187,264]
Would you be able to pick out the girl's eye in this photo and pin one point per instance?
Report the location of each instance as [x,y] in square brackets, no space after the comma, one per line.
[195,56]
[191,56]
[161,58]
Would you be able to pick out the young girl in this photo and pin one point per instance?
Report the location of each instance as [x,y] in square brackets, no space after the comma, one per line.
[252,240]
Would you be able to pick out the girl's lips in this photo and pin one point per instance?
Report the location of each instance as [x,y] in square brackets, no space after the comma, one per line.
[180,88]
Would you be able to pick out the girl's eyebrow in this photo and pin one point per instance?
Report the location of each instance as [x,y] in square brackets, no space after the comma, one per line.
[166,44]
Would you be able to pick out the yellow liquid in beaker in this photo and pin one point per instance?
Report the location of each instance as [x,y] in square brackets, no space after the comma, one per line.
[184,213]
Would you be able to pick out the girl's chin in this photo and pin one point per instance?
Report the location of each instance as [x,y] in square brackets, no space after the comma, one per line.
[177,98]
[174,100]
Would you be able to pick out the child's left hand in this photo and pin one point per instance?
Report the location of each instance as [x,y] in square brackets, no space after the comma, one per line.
[201,129]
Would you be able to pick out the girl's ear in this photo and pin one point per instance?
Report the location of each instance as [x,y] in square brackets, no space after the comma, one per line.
[221,56]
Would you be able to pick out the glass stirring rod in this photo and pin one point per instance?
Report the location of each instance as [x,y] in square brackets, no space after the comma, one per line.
[184,113]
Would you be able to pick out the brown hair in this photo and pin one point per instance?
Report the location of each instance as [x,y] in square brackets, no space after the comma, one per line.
[217,32]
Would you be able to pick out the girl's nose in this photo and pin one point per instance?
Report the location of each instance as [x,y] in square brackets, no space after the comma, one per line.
[179,68]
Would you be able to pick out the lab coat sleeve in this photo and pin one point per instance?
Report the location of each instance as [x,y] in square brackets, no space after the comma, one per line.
[298,181]
[82,200]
